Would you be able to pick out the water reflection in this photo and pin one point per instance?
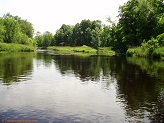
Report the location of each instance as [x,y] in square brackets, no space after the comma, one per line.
[43,57]
[68,88]
[86,68]
[15,67]
[140,84]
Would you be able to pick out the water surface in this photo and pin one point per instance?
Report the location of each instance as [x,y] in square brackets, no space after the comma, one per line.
[53,88]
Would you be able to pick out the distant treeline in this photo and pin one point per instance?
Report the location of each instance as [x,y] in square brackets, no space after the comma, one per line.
[140,24]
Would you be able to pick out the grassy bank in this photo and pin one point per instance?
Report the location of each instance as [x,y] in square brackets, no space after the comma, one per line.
[142,52]
[83,50]
[12,47]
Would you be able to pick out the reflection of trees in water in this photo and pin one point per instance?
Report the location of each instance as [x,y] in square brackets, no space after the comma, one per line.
[15,66]
[43,57]
[86,68]
[90,68]
[139,91]
[154,71]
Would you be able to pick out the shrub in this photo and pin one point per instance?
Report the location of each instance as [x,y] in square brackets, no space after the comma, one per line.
[159,52]
[160,39]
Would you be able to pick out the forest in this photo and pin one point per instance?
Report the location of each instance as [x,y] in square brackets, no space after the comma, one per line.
[139,31]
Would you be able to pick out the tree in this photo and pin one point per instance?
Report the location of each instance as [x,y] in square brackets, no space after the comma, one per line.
[44,40]
[63,35]
[83,32]
[47,39]
[26,28]
[139,20]
[12,30]
[39,39]
[95,38]
[2,30]
[76,35]
[106,36]
[15,30]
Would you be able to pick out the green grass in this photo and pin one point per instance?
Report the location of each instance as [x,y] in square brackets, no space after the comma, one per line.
[142,52]
[106,51]
[12,47]
[69,49]
[82,50]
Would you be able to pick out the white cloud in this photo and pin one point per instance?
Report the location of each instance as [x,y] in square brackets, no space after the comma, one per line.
[49,15]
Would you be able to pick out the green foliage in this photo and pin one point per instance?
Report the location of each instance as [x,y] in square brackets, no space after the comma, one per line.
[26,28]
[140,25]
[44,40]
[87,33]
[160,39]
[72,50]
[106,36]
[12,30]
[2,30]
[47,39]
[15,30]
[158,53]
[95,38]
[152,48]
[63,35]
[140,20]
[12,47]
[137,52]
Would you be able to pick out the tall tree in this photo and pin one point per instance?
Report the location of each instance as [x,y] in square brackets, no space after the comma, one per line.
[2,30]
[26,28]
[83,32]
[39,39]
[139,20]
[12,30]
[106,36]
[47,39]
[63,35]
[16,30]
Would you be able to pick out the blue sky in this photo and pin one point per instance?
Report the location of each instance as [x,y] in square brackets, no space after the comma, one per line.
[49,15]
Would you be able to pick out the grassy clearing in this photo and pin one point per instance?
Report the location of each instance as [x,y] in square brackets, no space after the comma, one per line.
[82,50]
[106,51]
[68,49]
[12,47]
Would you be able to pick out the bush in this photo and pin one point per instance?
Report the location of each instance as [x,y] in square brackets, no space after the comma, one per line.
[159,52]
[160,39]
[137,52]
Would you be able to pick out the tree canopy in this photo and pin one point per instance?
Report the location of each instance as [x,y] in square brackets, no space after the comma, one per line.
[13,29]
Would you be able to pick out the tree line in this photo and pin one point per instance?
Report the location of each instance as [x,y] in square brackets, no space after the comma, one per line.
[13,29]
[141,23]
[84,33]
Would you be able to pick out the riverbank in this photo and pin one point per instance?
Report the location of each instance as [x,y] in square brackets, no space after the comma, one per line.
[12,47]
[83,50]
[142,52]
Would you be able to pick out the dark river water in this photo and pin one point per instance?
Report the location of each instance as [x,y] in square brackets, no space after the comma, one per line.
[46,88]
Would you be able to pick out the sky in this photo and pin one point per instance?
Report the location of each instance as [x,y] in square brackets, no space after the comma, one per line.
[49,15]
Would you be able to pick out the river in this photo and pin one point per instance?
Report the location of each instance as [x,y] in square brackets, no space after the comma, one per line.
[45,87]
